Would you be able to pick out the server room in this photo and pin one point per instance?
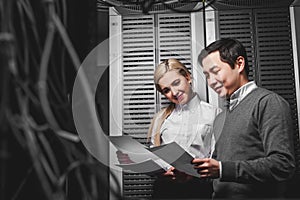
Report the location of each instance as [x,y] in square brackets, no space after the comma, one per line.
[149,99]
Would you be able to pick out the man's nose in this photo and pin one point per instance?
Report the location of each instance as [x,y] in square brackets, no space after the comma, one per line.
[212,81]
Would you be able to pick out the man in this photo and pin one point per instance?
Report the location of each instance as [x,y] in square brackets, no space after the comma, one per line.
[253,156]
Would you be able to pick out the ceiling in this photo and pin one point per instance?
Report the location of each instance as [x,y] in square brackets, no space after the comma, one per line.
[181,6]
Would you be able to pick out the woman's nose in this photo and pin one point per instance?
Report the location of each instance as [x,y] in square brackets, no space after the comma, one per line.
[174,91]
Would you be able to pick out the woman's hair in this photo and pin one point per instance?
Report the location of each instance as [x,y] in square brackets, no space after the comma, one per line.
[171,64]
[230,49]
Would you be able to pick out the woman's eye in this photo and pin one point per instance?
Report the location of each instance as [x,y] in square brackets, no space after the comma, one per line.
[176,83]
[165,90]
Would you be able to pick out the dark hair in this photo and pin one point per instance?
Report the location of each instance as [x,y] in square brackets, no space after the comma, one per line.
[230,49]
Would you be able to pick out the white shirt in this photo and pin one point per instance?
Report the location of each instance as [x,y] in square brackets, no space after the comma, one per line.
[240,94]
[190,126]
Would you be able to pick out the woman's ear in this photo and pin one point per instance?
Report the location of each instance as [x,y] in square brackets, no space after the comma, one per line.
[240,62]
[189,78]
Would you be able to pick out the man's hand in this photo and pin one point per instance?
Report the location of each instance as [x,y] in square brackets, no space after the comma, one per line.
[207,167]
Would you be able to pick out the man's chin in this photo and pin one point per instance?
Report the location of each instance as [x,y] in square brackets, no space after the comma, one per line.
[219,92]
[221,95]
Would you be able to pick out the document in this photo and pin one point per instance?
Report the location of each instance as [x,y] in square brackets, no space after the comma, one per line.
[149,167]
[136,151]
[176,156]
[146,160]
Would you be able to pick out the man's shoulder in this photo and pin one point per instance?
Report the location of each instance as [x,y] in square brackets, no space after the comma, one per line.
[265,95]
[260,92]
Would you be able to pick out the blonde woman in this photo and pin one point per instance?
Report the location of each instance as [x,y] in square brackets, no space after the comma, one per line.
[188,121]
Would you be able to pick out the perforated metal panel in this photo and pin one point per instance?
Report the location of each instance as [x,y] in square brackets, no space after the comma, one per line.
[274,52]
[138,65]
[275,59]
[139,96]
[147,40]
[239,24]
[174,41]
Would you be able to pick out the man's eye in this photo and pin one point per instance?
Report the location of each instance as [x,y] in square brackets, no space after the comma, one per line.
[215,71]
[166,90]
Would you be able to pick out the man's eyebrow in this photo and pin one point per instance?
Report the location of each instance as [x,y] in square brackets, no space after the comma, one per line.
[212,68]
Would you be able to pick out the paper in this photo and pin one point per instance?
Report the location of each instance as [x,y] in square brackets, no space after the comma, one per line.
[177,157]
[136,151]
[127,143]
[149,167]
[146,160]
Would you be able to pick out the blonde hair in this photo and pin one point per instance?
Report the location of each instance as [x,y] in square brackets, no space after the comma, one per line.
[169,65]
[164,67]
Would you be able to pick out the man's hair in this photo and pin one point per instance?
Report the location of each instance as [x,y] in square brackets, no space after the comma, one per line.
[230,49]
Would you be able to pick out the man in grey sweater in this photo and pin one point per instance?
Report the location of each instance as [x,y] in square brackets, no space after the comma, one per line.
[253,155]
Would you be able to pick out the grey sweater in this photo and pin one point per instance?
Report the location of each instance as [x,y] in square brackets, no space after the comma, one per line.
[255,146]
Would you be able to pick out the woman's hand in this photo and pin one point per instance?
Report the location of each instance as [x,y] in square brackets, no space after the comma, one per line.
[177,175]
[207,167]
[170,172]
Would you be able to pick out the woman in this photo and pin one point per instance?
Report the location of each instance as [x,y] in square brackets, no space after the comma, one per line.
[187,121]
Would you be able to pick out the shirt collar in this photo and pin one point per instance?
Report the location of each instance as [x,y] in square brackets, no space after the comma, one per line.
[240,94]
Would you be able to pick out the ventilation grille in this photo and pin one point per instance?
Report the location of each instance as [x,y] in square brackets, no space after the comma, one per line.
[275,60]
[174,41]
[137,186]
[138,92]
[274,52]
[239,25]
[238,4]
[138,66]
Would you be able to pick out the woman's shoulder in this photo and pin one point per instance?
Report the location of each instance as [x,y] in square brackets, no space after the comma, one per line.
[209,108]
[208,105]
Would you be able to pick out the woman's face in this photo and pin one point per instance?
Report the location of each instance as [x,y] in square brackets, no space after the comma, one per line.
[176,87]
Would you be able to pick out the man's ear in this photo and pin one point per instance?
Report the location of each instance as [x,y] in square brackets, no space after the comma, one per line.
[240,62]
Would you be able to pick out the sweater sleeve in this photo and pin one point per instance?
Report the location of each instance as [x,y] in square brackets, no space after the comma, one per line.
[274,126]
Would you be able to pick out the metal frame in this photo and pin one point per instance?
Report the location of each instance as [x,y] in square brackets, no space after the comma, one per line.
[295,24]
[115,94]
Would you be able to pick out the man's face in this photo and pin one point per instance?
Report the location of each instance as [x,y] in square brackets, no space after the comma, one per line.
[220,76]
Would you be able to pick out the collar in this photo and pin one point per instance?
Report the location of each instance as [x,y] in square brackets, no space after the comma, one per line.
[240,94]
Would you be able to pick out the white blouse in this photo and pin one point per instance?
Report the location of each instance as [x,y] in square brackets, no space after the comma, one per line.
[190,126]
